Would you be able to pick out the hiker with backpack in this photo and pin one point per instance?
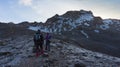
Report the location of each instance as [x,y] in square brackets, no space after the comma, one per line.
[47,39]
[38,41]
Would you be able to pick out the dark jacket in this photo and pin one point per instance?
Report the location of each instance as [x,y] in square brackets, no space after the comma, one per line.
[39,40]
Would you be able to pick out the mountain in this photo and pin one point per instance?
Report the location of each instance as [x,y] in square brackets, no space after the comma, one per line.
[79,39]
[11,30]
[83,28]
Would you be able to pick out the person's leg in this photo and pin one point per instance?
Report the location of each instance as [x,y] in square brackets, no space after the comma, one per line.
[34,48]
[37,50]
[41,48]
[46,47]
[37,47]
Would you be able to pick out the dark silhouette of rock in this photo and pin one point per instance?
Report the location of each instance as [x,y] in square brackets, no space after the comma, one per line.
[79,65]
[5,53]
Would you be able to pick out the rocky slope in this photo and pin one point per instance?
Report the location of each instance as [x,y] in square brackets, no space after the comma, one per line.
[18,53]
[82,27]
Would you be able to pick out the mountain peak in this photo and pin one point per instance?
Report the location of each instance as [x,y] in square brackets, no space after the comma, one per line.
[73,15]
[84,11]
[53,19]
[76,14]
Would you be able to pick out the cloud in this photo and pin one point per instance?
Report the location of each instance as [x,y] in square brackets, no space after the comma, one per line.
[25,2]
[47,8]
[43,9]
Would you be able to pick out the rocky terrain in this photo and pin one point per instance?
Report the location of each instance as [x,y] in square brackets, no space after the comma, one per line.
[18,53]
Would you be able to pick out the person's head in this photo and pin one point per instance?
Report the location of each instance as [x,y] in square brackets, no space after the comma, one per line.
[47,33]
[38,31]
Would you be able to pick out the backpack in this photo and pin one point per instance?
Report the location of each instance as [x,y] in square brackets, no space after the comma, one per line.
[37,37]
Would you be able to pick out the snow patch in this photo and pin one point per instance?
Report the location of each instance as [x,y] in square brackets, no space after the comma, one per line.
[87,17]
[38,27]
[106,24]
[79,20]
[84,17]
[108,21]
[85,34]
[33,28]
[65,29]
[104,27]
[97,31]
[86,24]
[44,30]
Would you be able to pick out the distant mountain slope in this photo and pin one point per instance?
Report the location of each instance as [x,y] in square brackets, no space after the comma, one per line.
[10,30]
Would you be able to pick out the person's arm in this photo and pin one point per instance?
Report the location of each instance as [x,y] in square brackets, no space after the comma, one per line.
[50,36]
[34,38]
[42,38]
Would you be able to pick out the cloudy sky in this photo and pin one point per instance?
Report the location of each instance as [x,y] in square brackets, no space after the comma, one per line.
[39,10]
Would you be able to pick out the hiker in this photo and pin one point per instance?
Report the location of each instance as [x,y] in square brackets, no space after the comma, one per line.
[47,38]
[38,41]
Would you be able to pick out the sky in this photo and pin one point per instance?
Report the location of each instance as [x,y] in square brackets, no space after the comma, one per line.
[40,10]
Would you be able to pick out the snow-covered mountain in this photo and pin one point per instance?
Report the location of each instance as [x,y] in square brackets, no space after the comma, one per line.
[94,33]
[73,19]
[66,22]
